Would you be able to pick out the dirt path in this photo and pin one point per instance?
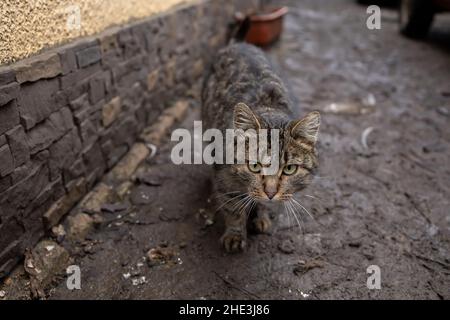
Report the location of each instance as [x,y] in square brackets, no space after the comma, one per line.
[382,204]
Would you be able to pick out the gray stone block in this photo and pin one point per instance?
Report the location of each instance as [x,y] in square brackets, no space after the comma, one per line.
[129,44]
[88,132]
[75,171]
[21,194]
[68,61]
[80,102]
[37,101]
[88,56]
[96,89]
[6,161]
[73,79]
[43,135]
[63,153]
[19,146]
[43,66]
[7,75]
[8,92]
[93,158]
[9,117]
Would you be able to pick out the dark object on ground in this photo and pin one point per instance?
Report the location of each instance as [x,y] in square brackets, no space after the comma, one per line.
[263,28]
[114,207]
[416,16]
[388,3]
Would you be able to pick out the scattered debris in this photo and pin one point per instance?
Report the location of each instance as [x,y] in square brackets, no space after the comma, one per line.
[150,179]
[153,150]
[443,111]
[135,273]
[162,255]
[365,135]
[432,230]
[350,108]
[141,195]
[182,245]
[43,264]
[2,294]
[97,219]
[114,207]
[126,275]
[79,226]
[304,295]
[89,248]
[59,233]
[206,216]
[370,100]
[139,281]
[287,246]
[168,216]
[304,266]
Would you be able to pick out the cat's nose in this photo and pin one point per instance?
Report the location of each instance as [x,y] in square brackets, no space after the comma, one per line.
[270,193]
[271,187]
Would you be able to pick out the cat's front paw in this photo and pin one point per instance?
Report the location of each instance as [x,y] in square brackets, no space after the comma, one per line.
[262,224]
[233,241]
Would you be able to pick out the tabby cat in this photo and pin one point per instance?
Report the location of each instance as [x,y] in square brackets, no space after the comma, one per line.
[243,92]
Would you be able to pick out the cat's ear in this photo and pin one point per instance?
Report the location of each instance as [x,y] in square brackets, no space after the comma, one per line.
[306,128]
[245,118]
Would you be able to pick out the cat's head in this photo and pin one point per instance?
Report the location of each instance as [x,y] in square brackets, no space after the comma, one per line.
[297,157]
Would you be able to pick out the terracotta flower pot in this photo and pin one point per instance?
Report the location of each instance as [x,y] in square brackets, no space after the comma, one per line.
[265,28]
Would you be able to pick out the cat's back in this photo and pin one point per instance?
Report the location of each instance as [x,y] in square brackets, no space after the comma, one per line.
[240,73]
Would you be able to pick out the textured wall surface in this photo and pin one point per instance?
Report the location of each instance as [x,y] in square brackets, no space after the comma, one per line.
[27,26]
[68,115]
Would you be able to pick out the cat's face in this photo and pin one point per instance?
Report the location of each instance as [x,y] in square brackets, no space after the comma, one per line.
[297,158]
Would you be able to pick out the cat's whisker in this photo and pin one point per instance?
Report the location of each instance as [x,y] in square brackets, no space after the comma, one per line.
[301,206]
[233,198]
[295,215]
[287,214]
[254,203]
[245,207]
[240,203]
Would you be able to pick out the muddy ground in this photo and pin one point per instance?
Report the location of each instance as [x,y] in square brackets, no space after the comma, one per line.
[383,201]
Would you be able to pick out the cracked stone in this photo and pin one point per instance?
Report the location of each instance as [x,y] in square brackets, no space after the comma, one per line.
[79,226]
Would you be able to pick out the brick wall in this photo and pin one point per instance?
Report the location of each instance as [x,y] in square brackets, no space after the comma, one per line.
[69,114]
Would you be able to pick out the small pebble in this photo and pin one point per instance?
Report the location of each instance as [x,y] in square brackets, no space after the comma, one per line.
[286,246]
[139,281]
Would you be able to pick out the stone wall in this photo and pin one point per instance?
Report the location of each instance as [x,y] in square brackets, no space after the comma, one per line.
[68,115]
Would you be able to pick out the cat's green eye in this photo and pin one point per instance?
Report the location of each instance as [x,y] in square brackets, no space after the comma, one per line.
[290,169]
[254,167]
